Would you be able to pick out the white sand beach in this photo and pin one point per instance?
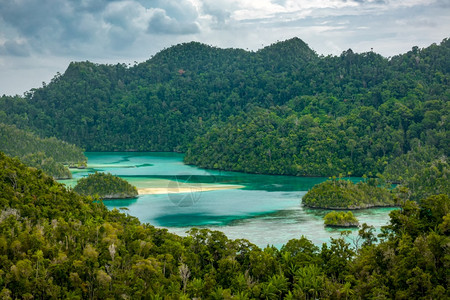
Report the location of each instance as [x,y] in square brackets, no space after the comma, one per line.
[184,188]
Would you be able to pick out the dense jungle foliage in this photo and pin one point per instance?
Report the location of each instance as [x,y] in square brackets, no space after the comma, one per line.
[48,154]
[280,110]
[344,194]
[419,174]
[105,186]
[340,219]
[57,244]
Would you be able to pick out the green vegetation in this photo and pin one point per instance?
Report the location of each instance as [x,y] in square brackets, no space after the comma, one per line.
[433,180]
[280,110]
[419,174]
[56,244]
[344,194]
[405,166]
[340,219]
[105,186]
[48,154]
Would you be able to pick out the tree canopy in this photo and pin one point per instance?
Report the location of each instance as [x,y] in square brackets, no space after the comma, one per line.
[340,219]
[344,194]
[105,186]
[280,110]
[51,155]
[55,243]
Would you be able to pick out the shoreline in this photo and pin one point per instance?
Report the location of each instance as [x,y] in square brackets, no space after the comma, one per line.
[185,189]
[342,225]
[351,207]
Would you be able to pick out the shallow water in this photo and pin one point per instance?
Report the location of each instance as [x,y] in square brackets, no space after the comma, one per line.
[266,210]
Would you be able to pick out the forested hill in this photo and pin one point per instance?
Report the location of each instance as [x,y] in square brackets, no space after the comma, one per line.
[49,154]
[56,244]
[281,110]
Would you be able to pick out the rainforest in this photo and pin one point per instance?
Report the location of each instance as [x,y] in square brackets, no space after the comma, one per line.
[376,127]
[281,110]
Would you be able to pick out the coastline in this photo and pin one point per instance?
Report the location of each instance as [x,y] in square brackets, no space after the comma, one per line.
[186,188]
[352,207]
[342,225]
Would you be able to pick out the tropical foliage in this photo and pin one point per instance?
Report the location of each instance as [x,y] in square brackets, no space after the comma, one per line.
[105,186]
[57,244]
[344,194]
[48,154]
[340,219]
[280,110]
[433,180]
[419,174]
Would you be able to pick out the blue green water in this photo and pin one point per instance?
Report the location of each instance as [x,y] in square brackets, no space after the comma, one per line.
[265,209]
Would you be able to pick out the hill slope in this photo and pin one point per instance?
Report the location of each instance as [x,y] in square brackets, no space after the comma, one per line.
[48,154]
[303,114]
[56,244]
[105,186]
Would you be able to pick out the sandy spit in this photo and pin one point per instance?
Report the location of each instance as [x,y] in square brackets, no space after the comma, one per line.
[186,189]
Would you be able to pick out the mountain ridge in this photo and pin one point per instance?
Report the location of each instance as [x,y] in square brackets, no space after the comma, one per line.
[187,90]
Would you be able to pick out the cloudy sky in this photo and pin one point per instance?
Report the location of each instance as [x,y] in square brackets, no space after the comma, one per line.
[40,37]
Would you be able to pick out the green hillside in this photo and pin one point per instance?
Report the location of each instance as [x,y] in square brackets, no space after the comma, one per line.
[280,110]
[56,244]
[105,186]
[344,194]
[48,154]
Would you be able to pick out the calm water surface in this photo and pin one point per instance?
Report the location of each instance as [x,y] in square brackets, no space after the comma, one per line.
[266,209]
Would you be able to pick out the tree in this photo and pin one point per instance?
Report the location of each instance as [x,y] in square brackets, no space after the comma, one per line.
[184,275]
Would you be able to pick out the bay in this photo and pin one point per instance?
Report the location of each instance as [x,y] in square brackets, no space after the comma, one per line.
[264,209]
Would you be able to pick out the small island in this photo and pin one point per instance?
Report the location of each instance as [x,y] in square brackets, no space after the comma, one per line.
[344,194]
[340,219]
[105,186]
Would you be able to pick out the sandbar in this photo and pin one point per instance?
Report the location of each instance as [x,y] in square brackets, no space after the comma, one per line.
[186,189]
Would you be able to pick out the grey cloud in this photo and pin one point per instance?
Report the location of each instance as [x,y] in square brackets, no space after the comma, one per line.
[121,15]
[174,17]
[47,26]
[387,31]
[220,12]
[220,16]
[14,48]
[368,1]
[37,17]
[67,26]
[120,38]
[181,10]
[95,6]
[160,23]
[280,2]
[443,3]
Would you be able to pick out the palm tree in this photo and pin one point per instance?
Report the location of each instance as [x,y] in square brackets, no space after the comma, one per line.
[346,290]
[309,280]
[280,283]
[268,291]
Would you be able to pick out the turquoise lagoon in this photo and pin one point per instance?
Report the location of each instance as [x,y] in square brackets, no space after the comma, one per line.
[264,209]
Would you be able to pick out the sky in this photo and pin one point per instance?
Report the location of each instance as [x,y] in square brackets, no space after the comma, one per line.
[39,38]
